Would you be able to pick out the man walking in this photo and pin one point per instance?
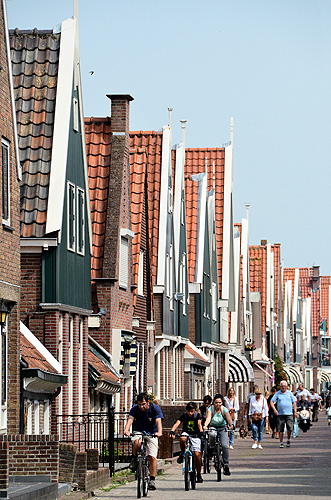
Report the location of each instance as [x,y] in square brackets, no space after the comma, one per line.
[286,404]
[145,417]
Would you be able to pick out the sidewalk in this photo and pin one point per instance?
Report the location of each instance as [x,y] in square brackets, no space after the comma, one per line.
[301,471]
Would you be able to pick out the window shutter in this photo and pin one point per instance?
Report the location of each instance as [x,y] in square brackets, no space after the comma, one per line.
[124,261]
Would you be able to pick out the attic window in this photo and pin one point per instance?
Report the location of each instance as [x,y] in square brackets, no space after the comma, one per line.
[170,200]
[5,192]
[75,113]
[124,262]
[80,221]
[71,198]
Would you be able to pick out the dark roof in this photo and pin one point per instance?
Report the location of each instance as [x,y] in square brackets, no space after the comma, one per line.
[35,60]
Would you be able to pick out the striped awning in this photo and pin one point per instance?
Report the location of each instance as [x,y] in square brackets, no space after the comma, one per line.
[240,370]
[293,374]
[128,359]
[324,375]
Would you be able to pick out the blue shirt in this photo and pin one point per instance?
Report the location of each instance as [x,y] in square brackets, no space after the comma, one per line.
[146,420]
[284,402]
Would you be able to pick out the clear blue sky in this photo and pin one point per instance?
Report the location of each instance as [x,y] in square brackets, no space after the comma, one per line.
[266,63]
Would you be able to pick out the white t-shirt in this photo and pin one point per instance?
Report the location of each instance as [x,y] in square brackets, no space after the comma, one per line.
[260,406]
[305,392]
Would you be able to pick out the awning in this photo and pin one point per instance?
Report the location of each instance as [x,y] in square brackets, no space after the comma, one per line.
[102,375]
[240,370]
[262,369]
[195,355]
[293,374]
[324,375]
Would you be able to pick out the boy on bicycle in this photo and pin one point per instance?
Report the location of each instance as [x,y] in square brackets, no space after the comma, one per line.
[145,417]
[191,421]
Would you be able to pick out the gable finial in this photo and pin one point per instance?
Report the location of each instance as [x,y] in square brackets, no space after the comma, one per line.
[231,131]
[170,116]
[183,122]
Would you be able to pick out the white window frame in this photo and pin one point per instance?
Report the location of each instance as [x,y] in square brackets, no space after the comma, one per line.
[182,276]
[140,290]
[124,263]
[167,282]
[3,373]
[214,301]
[71,224]
[70,365]
[171,278]
[80,221]
[46,417]
[5,145]
[170,200]
[75,114]
[60,359]
[80,366]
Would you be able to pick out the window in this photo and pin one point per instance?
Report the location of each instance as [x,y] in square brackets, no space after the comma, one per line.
[71,366]
[5,191]
[214,301]
[124,262]
[60,359]
[170,200]
[182,280]
[71,196]
[141,273]
[75,113]
[80,221]
[171,278]
[80,367]
[206,296]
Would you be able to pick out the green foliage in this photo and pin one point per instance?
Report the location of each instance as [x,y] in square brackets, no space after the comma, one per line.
[280,374]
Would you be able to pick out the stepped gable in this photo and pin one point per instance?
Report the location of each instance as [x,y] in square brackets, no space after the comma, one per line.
[98,148]
[199,160]
[150,144]
[35,60]
[138,160]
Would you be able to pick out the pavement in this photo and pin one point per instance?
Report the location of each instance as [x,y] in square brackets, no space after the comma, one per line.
[302,471]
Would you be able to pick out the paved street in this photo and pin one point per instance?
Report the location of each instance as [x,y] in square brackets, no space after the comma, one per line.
[302,471]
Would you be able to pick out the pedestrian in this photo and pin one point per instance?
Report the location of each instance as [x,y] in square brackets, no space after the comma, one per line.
[218,417]
[286,404]
[204,407]
[258,411]
[272,416]
[191,420]
[145,417]
[316,405]
[247,407]
[267,424]
[232,404]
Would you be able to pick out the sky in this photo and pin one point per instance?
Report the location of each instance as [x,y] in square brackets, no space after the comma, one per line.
[266,63]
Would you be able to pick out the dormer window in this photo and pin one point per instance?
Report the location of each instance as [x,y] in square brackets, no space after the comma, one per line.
[76,218]
[71,200]
[80,221]
[170,200]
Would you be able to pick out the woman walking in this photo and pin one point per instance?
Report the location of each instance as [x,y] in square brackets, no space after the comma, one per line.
[258,412]
[232,404]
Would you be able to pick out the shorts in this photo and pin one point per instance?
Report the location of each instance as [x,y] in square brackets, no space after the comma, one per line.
[152,444]
[195,442]
[282,420]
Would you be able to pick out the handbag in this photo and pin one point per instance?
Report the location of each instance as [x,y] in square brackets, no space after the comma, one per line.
[257,416]
[232,411]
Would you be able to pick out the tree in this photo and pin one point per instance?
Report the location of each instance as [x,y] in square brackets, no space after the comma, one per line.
[280,373]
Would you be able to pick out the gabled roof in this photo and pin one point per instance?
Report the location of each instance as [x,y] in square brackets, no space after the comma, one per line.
[195,354]
[102,372]
[198,161]
[33,358]
[147,146]
[35,62]
[98,147]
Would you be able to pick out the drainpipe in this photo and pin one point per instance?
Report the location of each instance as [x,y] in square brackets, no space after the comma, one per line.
[174,373]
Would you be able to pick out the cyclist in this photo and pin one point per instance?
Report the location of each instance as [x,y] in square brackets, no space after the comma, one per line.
[219,419]
[191,421]
[204,407]
[145,417]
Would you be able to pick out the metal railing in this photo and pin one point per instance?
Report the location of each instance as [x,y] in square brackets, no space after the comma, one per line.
[102,431]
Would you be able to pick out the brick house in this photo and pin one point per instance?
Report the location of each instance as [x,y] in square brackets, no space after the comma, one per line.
[10,175]
[111,326]
[55,217]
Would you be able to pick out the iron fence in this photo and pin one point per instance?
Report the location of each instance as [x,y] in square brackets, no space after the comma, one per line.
[102,431]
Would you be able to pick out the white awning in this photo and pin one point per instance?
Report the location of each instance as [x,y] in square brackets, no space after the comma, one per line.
[293,374]
[324,375]
[240,370]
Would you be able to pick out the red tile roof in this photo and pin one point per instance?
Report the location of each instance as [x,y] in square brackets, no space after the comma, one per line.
[98,148]
[198,161]
[35,59]
[324,300]
[102,367]
[33,357]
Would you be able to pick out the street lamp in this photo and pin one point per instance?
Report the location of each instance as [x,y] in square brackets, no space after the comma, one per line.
[3,313]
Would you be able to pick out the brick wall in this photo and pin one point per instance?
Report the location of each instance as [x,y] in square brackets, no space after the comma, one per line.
[33,455]
[192,320]
[92,458]
[4,464]
[67,462]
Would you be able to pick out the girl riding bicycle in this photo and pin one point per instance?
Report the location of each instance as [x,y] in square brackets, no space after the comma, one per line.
[219,419]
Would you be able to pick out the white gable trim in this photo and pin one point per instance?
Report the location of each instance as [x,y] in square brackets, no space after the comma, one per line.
[61,127]
[179,178]
[165,173]
[40,347]
[202,207]
[227,224]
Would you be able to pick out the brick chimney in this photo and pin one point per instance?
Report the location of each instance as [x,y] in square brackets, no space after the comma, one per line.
[120,112]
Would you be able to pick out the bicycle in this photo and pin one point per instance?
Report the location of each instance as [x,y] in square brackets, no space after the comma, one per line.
[218,456]
[189,468]
[142,472]
[206,458]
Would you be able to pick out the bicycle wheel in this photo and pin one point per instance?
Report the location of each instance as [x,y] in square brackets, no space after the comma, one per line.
[145,477]
[219,463]
[139,475]
[193,474]
[206,458]
[187,471]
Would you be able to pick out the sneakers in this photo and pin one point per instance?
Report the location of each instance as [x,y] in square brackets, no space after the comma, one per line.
[254,446]
[329,422]
[288,444]
[133,464]
[226,470]
[231,447]
[260,447]
[199,478]
[151,485]
[180,459]
[281,445]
